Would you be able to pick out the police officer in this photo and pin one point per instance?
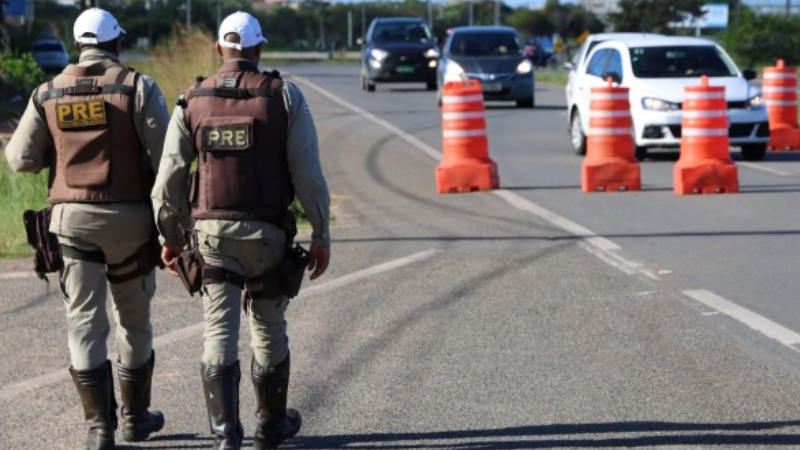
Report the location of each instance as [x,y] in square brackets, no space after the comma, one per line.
[99,128]
[256,146]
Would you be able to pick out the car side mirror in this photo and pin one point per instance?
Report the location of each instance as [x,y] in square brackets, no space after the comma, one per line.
[617,78]
[749,74]
[569,66]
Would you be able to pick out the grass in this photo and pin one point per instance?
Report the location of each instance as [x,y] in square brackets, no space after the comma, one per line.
[22,191]
[551,76]
[176,64]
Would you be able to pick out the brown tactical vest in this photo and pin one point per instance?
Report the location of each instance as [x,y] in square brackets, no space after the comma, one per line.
[98,155]
[239,124]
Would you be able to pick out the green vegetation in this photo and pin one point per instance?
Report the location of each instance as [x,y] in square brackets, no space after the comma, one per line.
[551,76]
[19,75]
[175,64]
[21,192]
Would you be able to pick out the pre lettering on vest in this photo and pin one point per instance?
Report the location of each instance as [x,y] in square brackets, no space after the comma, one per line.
[240,135]
[98,154]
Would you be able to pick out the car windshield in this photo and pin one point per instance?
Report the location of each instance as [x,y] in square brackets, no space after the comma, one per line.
[402,32]
[47,47]
[486,44]
[680,62]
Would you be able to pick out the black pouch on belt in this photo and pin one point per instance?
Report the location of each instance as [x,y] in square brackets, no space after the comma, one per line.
[189,266]
[47,258]
[291,270]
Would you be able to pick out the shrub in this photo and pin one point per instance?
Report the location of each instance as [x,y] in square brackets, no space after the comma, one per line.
[19,75]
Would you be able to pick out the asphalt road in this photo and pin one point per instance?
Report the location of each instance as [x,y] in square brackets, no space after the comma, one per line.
[534,316]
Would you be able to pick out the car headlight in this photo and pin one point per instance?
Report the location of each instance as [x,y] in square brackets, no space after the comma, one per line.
[378,54]
[656,104]
[755,102]
[453,72]
[524,67]
[432,53]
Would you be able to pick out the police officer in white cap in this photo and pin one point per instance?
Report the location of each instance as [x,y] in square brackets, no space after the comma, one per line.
[256,146]
[99,128]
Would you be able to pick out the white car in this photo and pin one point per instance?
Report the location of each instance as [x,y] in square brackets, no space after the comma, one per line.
[656,69]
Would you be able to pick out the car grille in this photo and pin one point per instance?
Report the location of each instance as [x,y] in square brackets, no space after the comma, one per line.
[405,58]
[736,130]
[485,77]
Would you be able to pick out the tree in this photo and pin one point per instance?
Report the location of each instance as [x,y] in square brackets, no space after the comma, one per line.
[531,23]
[652,16]
[761,39]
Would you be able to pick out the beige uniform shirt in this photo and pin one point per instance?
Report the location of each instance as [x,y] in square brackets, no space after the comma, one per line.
[170,191]
[29,146]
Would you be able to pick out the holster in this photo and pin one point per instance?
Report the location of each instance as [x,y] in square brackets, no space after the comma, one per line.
[47,257]
[189,266]
[286,277]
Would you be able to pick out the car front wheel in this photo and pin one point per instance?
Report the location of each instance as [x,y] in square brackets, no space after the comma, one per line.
[754,152]
[578,138]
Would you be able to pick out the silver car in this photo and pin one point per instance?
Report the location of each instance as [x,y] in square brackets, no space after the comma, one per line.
[495,56]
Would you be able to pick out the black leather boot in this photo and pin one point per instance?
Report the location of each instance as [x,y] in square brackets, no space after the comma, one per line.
[135,387]
[276,423]
[221,388]
[96,389]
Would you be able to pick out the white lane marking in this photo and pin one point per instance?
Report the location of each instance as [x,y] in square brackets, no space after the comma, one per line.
[368,272]
[427,149]
[553,218]
[10,391]
[758,323]
[607,247]
[764,168]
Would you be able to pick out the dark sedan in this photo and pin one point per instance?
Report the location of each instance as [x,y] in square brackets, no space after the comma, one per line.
[398,50]
[493,55]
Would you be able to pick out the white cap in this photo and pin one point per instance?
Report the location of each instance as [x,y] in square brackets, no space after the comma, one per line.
[98,22]
[246,26]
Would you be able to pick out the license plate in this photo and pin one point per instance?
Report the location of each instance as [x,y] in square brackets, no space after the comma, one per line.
[492,87]
[405,69]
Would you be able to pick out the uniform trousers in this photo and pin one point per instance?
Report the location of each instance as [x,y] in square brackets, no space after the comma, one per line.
[84,290]
[222,302]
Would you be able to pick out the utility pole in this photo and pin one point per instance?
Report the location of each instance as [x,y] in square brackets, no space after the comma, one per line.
[149,6]
[349,29]
[363,21]
[430,14]
[496,12]
[471,14]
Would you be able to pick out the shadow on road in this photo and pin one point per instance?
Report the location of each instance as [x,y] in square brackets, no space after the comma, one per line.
[629,434]
[172,441]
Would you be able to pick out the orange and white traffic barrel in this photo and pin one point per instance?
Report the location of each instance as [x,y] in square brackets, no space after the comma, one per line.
[780,94]
[610,163]
[705,165]
[465,164]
